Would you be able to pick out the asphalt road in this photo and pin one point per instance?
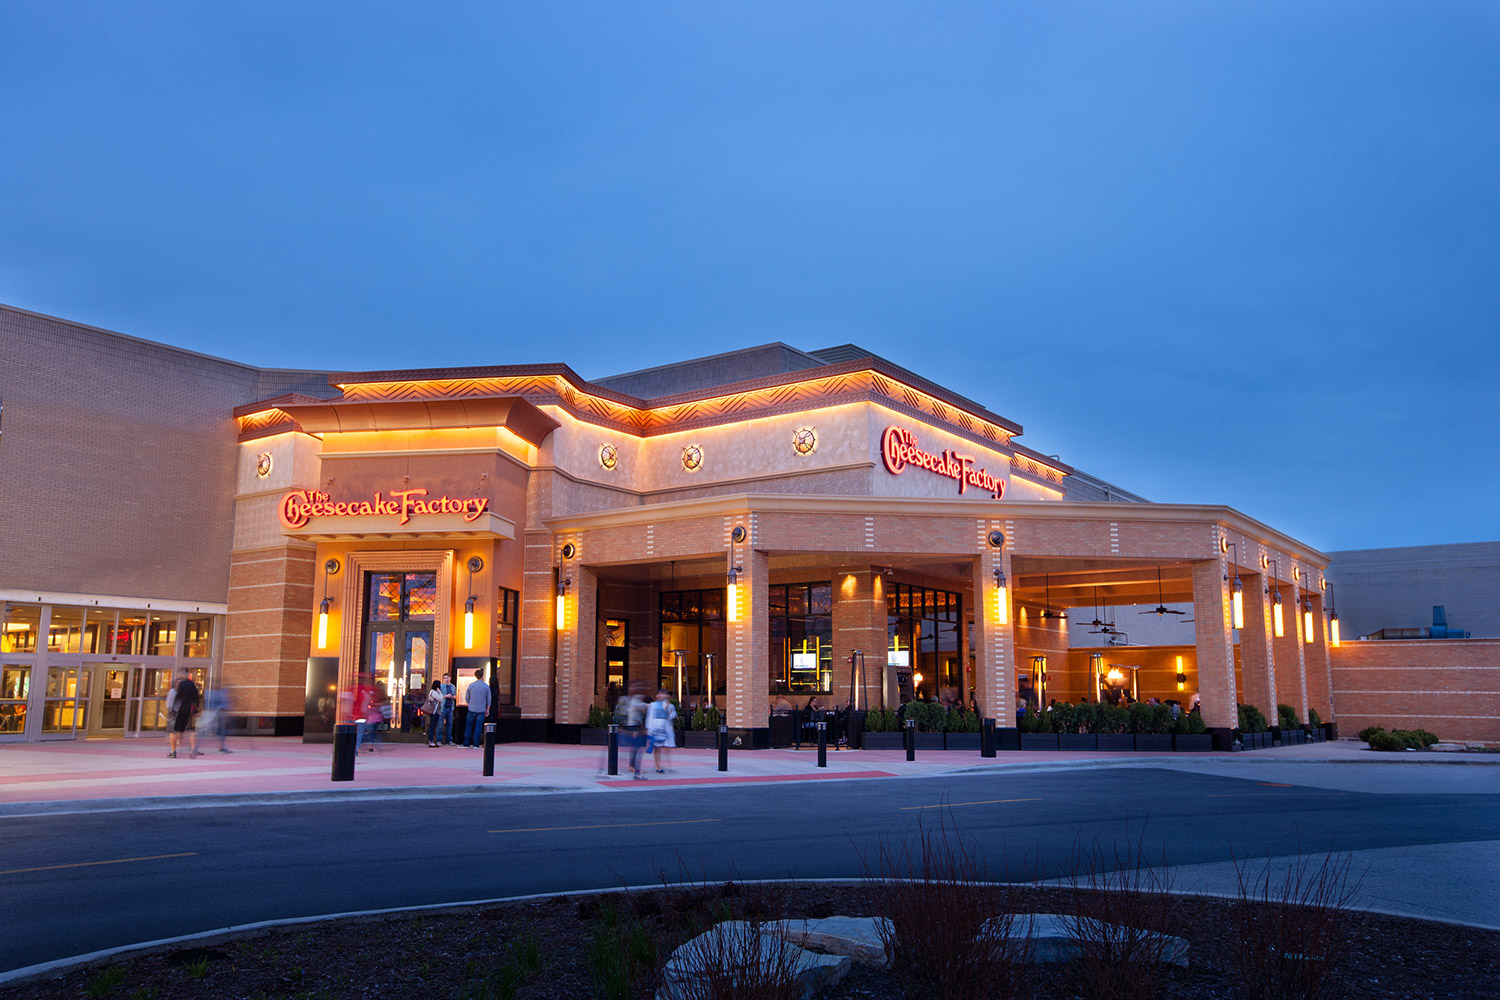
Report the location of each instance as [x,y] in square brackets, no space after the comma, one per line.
[89,881]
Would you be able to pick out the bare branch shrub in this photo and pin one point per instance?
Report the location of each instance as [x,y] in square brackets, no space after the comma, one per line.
[1119,917]
[1293,929]
[952,934]
[740,960]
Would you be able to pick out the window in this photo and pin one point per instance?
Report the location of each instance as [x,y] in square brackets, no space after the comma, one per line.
[692,634]
[922,633]
[507,618]
[801,642]
[198,637]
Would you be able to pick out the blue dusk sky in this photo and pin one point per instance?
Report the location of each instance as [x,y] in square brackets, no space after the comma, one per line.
[1239,253]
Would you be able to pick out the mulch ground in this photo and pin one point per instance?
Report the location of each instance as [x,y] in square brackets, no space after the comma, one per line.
[448,954]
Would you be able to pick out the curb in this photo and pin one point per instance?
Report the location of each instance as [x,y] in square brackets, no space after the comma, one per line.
[291,797]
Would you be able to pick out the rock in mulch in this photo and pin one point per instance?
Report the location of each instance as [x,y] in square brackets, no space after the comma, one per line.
[857,937]
[816,973]
[1051,943]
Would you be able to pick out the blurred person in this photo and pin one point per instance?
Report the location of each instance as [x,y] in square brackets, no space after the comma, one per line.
[187,702]
[631,711]
[477,697]
[219,703]
[660,715]
[377,710]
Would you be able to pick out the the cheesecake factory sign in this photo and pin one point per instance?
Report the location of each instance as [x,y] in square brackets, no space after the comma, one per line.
[898,447]
[300,506]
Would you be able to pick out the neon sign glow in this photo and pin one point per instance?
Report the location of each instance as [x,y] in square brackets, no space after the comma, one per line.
[898,449]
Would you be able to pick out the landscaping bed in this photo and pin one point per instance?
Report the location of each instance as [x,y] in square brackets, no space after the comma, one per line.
[552,945]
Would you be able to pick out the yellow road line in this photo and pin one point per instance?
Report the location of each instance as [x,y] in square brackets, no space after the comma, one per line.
[983,802]
[90,864]
[603,826]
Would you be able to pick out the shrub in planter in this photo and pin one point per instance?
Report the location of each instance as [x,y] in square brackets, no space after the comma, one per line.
[1251,720]
[1286,717]
[961,720]
[880,720]
[1113,719]
[599,717]
[1086,717]
[1160,720]
[706,719]
[1313,719]
[1189,724]
[1138,717]
[1063,719]
[928,715]
[1382,740]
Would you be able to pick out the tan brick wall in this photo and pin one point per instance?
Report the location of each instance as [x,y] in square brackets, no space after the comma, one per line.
[266,635]
[1451,688]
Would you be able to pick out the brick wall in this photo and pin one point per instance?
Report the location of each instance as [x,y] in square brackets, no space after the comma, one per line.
[1451,688]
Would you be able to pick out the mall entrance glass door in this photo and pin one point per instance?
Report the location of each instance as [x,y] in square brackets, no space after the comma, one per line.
[398,641]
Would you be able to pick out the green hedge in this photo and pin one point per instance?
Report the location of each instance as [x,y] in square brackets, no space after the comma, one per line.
[1286,717]
[1251,720]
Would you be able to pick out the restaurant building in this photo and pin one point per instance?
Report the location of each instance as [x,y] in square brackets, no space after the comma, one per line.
[764,524]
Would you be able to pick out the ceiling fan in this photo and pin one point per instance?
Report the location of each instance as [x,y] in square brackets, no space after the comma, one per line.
[1096,623]
[1047,611]
[1161,605]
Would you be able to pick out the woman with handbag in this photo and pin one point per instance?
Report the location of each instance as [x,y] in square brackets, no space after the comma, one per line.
[432,708]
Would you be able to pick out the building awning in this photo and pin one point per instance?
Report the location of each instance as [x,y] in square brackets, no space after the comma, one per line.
[331,415]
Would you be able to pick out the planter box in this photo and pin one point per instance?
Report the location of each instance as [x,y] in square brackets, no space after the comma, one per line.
[961,741]
[1298,737]
[1116,741]
[1077,741]
[881,741]
[594,738]
[932,741]
[1199,742]
[1255,741]
[699,739]
[1157,742]
[1038,741]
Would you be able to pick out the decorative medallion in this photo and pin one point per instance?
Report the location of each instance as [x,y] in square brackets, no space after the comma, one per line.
[609,457]
[692,458]
[263,464]
[805,441]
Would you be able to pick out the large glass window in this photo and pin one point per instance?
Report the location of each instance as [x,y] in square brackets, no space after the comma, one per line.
[66,704]
[15,691]
[65,633]
[801,642]
[130,633]
[163,636]
[18,631]
[922,632]
[198,637]
[692,643]
[507,618]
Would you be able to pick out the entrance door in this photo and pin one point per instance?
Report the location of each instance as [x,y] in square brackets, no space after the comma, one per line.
[112,688]
[401,609]
[66,704]
[417,679]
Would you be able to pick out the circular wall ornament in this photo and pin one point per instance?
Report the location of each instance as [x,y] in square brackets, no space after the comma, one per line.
[609,456]
[805,441]
[263,464]
[692,458]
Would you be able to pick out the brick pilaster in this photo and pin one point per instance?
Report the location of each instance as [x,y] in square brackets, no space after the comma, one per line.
[1215,644]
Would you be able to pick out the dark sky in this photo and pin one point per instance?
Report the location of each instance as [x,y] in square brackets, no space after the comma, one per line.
[1239,253]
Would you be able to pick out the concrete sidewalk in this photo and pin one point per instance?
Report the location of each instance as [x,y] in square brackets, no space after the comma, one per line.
[105,774]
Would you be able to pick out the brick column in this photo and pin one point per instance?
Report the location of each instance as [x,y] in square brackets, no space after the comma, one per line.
[1291,675]
[1319,680]
[1215,644]
[858,623]
[576,645]
[747,677]
[272,599]
[1257,666]
[994,644]
[535,680]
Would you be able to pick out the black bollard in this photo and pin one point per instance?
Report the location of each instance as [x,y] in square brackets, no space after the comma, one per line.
[723,748]
[614,750]
[344,735]
[822,744]
[987,738]
[489,749]
[911,739]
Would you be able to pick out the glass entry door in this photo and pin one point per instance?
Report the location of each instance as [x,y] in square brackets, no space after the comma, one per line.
[112,689]
[401,609]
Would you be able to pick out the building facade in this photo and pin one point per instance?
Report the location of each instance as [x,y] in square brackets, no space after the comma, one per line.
[770,524]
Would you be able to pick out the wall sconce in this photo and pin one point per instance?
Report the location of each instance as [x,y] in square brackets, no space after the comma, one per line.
[562,602]
[330,568]
[475,565]
[1307,620]
[1237,599]
[1002,598]
[1333,620]
[1277,626]
[1181,676]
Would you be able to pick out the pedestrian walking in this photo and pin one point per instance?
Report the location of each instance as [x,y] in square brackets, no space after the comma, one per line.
[631,711]
[477,697]
[432,708]
[188,699]
[660,716]
[218,704]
